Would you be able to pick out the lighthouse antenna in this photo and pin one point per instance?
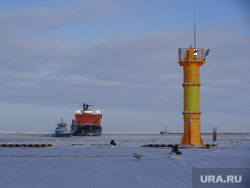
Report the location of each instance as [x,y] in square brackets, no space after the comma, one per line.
[194,30]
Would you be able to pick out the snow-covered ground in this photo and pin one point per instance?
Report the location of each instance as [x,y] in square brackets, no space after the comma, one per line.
[154,171]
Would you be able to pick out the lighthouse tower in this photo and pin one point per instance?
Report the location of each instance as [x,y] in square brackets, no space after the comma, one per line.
[191,59]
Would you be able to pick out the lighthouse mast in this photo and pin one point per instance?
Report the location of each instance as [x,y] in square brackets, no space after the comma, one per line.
[191,59]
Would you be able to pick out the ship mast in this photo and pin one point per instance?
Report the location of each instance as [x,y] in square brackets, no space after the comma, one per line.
[86,108]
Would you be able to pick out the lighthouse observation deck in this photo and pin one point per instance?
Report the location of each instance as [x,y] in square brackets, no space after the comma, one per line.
[196,55]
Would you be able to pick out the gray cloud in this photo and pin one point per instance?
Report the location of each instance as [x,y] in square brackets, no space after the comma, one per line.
[63,14]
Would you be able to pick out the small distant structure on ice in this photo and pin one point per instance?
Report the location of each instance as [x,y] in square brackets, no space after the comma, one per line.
[214,132]
[164,132]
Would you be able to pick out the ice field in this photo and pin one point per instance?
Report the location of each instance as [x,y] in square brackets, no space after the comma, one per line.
[64,165]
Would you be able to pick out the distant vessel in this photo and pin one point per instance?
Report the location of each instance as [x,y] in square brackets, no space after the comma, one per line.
[86,123]
[164,132]
[61,130]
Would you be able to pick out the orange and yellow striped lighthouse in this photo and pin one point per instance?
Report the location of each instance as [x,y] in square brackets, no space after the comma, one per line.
[191,59]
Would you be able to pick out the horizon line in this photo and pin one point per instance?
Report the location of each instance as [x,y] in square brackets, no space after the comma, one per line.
[118,132]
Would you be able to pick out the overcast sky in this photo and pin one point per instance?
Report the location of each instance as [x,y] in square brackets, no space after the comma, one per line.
[121,56]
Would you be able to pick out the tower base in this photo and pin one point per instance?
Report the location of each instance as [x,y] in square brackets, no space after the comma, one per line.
[191,136]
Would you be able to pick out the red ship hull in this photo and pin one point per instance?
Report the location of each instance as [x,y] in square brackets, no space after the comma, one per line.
[86,123]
